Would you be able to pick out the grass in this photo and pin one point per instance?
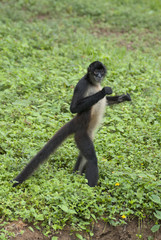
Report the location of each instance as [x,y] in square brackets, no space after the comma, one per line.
[45,48]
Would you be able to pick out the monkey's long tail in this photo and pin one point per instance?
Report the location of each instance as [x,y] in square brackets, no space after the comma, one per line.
[45,152]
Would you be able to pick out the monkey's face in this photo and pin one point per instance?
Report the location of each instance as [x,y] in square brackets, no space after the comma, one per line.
[98,75]
[97,72]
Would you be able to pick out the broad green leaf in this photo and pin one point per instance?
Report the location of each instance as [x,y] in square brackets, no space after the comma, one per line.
[140,193]
[67,210]
[155,199]
[157,214]
[40,217]
[31,229]
[54,238]
[155,228]
[79,236]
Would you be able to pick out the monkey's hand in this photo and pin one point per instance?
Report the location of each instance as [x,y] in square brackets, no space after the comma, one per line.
[107,90]
[124,97]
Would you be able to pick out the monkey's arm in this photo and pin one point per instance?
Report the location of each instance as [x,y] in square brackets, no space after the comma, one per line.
[118,99]
[80,104]
[86,103]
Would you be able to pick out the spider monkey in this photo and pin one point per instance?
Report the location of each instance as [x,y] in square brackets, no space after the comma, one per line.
[88,102]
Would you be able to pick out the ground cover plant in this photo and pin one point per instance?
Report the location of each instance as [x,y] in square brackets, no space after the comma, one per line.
[45,48]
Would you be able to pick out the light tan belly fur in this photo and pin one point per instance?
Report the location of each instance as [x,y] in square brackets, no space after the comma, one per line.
[97,113]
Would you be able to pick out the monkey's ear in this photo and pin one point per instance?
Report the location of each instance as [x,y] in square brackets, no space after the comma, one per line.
[89,69]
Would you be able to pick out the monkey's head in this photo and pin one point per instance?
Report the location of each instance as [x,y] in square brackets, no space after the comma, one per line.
[96,72]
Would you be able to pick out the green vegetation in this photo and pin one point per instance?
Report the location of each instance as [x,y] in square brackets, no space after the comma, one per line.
[45,48]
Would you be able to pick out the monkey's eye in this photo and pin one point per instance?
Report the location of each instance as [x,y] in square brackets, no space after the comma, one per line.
[96,73]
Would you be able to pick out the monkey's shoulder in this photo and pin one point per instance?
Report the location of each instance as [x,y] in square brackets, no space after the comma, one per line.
[83,83]
[82,86]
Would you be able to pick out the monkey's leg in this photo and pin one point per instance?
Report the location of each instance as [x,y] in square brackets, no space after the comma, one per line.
[86,147]
[80,164]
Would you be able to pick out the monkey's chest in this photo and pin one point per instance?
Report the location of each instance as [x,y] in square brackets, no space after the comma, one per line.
[96,115]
